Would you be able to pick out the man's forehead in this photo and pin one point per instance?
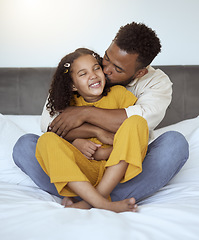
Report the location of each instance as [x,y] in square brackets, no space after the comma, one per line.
[120,57]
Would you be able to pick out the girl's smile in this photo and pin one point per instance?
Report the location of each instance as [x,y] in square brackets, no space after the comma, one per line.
[95,85]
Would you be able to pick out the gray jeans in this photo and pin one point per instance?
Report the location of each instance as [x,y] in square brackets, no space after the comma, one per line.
[165,157]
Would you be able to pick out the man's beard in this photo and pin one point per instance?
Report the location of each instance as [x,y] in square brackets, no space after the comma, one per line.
[123,83]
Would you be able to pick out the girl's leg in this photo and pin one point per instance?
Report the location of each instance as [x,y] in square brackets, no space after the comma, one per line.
[98,197]
[24,158]
[165,157]
[124,162]
[121,157]
[73,174]
[130,144]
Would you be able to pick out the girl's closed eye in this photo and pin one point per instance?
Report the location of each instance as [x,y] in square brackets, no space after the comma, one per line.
[82,74]
[97,68]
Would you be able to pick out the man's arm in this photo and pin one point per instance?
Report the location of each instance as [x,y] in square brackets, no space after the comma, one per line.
[87,130]
[73,117]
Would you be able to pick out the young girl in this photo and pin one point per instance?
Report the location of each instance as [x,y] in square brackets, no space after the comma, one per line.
[80,81]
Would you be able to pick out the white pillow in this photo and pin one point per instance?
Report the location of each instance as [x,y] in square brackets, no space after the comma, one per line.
[190,171]
[29,123]
[9,172]
[190,129]
[185,127]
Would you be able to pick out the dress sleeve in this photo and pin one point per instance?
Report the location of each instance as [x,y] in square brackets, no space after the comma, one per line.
[124,97]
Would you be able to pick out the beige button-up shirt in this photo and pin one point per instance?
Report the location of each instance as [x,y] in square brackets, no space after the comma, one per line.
[154,93]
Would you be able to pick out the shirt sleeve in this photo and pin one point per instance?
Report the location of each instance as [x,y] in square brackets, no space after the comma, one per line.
[46,118]
[153,100]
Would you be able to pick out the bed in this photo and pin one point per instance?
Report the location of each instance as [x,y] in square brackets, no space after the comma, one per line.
[27,212]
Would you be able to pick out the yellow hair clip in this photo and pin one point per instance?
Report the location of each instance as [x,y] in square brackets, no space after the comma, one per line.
[66,65]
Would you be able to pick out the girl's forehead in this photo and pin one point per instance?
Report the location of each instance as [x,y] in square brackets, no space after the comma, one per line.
[84,61]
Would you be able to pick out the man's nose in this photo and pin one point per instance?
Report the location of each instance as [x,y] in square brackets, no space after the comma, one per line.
[107,69]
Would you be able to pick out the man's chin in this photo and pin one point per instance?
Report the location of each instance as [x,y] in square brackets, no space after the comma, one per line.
[108,82]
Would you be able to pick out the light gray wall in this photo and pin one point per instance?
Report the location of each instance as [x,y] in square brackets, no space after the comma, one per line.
[38,33]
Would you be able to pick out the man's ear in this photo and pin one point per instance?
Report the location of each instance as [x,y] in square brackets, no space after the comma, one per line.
[74,88]
[140,73]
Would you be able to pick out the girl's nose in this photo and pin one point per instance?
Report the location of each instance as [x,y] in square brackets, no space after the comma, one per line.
[93,75]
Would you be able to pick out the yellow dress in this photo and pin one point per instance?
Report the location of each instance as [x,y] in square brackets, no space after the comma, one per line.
[64,163]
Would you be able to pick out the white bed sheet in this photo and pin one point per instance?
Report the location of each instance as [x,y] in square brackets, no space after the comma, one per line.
[26,212]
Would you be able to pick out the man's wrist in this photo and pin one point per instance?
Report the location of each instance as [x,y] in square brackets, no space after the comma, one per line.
[86,113]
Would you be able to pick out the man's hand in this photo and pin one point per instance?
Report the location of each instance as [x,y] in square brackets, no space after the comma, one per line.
[70,118]
[105,136]
[86,147]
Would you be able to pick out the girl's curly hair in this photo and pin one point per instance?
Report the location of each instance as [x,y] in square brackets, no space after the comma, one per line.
[60,92]
[140,39]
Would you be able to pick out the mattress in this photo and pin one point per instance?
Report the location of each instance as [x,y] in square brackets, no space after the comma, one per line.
[27,212]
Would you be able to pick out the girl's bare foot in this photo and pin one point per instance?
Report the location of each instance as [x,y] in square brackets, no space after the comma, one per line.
[66,201]
[127,205]
[80,205]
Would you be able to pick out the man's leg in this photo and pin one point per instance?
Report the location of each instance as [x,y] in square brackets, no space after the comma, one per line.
[24,158]
[165,157]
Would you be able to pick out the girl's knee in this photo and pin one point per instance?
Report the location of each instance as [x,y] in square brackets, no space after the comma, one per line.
[136,121]
[47,136]
[49,140]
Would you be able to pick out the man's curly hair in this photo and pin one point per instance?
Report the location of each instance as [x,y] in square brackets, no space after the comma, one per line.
[61,93]
[140,39]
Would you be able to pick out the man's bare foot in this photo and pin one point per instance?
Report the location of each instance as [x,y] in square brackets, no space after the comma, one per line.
[66,201]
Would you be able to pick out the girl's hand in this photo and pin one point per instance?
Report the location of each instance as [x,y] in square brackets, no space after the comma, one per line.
[102,153]
[86,147]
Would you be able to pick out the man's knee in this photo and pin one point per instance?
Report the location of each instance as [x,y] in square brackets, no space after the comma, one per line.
[24,146]
[176,142]
[171,149]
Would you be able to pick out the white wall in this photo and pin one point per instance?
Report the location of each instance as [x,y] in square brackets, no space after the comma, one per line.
[38,33]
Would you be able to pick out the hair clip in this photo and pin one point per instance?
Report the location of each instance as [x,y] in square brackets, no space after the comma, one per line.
[94,55]
[66,65]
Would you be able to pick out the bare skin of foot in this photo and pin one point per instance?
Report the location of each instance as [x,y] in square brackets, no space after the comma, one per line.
[127,205]
[67,201]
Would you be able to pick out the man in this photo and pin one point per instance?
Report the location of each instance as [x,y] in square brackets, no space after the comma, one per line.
[126,62]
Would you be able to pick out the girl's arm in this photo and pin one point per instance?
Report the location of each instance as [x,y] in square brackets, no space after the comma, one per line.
[86,147]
